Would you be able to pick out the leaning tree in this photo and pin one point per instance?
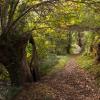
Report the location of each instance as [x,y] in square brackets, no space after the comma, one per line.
[14,38]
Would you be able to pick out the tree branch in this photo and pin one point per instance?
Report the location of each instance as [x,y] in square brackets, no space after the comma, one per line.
[3,15]
[32,7]
[13,7]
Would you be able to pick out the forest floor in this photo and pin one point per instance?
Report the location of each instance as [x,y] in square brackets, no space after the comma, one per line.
[72,83]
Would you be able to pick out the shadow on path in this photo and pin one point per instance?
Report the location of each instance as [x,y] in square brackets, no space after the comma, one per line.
[72,83]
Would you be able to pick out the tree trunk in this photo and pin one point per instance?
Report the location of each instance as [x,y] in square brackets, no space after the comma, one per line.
[34,61]
[80,39]
[98,52]
[13,57]
[69,41]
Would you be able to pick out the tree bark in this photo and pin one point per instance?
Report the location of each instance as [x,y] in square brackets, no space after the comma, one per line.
[69,41]
[34,65]
[80,39]
[13,57]
[98,52]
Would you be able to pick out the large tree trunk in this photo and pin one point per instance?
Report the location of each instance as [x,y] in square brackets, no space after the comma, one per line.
[13,56]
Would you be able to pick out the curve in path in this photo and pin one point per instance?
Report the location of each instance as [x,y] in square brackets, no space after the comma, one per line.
[72,83]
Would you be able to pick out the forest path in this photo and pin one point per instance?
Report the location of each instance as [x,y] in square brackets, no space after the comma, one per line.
[72,83]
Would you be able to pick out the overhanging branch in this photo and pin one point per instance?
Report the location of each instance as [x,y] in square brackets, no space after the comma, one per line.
[32,7]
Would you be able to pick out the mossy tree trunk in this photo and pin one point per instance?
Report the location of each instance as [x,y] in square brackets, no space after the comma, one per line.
[13,57]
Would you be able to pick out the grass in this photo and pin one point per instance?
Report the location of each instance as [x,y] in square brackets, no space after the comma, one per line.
[52,64]
[88,63]
[85,62]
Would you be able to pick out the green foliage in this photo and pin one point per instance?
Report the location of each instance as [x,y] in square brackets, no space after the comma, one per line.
[52,29]
[4,75]
[29,52]
[52,64]
[12,92]
[88,63]
[85,62]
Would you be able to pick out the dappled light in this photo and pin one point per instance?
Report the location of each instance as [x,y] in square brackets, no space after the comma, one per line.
[49,50]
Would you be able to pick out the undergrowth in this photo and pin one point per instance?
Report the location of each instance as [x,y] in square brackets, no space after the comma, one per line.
[88,63]
[12,92]
[52,64]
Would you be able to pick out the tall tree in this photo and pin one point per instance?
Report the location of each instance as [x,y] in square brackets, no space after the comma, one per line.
[14,38]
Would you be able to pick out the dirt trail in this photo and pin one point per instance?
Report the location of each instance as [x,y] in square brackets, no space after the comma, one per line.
[72,83]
